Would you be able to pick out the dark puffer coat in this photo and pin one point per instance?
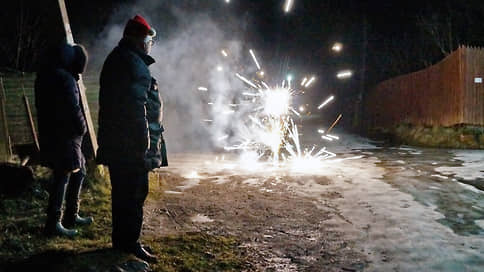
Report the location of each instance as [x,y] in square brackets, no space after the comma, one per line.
[156,156]
[60,117]
[123,134]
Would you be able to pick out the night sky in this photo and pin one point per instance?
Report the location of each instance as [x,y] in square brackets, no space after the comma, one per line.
[396,42]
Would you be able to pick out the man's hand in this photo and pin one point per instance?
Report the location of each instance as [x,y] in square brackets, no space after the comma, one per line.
[152,163]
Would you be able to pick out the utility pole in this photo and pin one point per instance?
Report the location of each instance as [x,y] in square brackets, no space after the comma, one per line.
[82,89]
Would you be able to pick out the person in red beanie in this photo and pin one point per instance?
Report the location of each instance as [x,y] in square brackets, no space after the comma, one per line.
[124,135]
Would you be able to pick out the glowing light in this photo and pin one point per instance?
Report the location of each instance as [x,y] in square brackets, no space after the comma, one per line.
[289,80]
[228,112]
[224,53]
[331,98]
[344,74]
[310,82]
[193,175]
[288,5]
[246,80]
[203,89]
[304,81]
[334,123]
[223,138]
[337,47]
[276,102]
[268,131]
[220,68]
[254,58]
[227,1]
[250,94]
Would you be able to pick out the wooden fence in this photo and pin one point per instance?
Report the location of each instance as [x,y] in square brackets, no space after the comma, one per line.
[445,94]
[18,127]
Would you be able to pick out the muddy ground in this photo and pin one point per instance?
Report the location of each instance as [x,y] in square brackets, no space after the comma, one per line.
[368,209]
[279,230]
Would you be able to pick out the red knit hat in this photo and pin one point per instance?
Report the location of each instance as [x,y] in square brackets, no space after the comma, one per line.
[138,27]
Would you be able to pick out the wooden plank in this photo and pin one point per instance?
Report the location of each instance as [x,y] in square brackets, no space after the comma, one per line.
[82,89]
[31,121]
[6,135]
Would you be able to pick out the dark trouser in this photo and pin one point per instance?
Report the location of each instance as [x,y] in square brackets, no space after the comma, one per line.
[129,191]
[65,186]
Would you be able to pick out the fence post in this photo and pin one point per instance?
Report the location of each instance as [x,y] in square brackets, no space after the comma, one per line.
[6,135]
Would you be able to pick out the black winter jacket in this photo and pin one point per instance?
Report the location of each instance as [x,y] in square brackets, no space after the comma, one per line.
[123,134]
[59,114]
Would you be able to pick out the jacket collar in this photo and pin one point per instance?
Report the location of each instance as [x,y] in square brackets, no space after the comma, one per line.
[125,43]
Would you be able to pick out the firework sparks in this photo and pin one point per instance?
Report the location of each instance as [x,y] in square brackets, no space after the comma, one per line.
[334,123]
[344,74]
[326,102]
[254,58]
[277,102]
[310,82]
[270,131]
[288,5]
[337,47]
[246,80]
[303,82]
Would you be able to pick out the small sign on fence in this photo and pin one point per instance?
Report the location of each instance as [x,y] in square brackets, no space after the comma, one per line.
[478,80]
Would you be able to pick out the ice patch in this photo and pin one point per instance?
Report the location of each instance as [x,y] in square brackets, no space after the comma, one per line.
[472,167]
[189,184]
[470,188]
[480,223]
[200,218]
[252,181]
[173,192]
[439,176]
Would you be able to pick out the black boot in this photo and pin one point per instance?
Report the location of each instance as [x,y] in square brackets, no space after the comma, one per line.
[71,217]
[53,224]
[139,251]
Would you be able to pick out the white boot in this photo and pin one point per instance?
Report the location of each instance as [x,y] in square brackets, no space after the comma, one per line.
[60,230]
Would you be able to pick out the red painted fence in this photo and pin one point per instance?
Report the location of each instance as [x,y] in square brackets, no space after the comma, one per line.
[445,94]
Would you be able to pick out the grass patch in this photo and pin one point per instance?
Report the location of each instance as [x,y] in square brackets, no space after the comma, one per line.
[24,248]
[198,252]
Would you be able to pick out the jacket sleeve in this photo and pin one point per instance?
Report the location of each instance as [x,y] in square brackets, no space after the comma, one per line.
[73,109]
[138,89]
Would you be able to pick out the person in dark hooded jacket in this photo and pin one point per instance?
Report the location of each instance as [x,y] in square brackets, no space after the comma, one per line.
[62,126]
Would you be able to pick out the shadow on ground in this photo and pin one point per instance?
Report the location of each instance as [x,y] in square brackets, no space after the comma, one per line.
[105,259]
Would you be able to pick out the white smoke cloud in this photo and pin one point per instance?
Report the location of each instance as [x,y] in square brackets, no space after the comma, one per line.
[186,58]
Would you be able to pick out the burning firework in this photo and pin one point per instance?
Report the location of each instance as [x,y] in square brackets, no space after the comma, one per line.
[270,131]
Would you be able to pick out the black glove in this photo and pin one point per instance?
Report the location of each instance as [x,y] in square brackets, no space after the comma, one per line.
[152,163]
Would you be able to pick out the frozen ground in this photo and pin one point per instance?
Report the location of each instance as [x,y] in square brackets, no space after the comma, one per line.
[372,208]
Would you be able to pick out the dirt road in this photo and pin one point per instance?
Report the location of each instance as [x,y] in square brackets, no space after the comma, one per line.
[361,211]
